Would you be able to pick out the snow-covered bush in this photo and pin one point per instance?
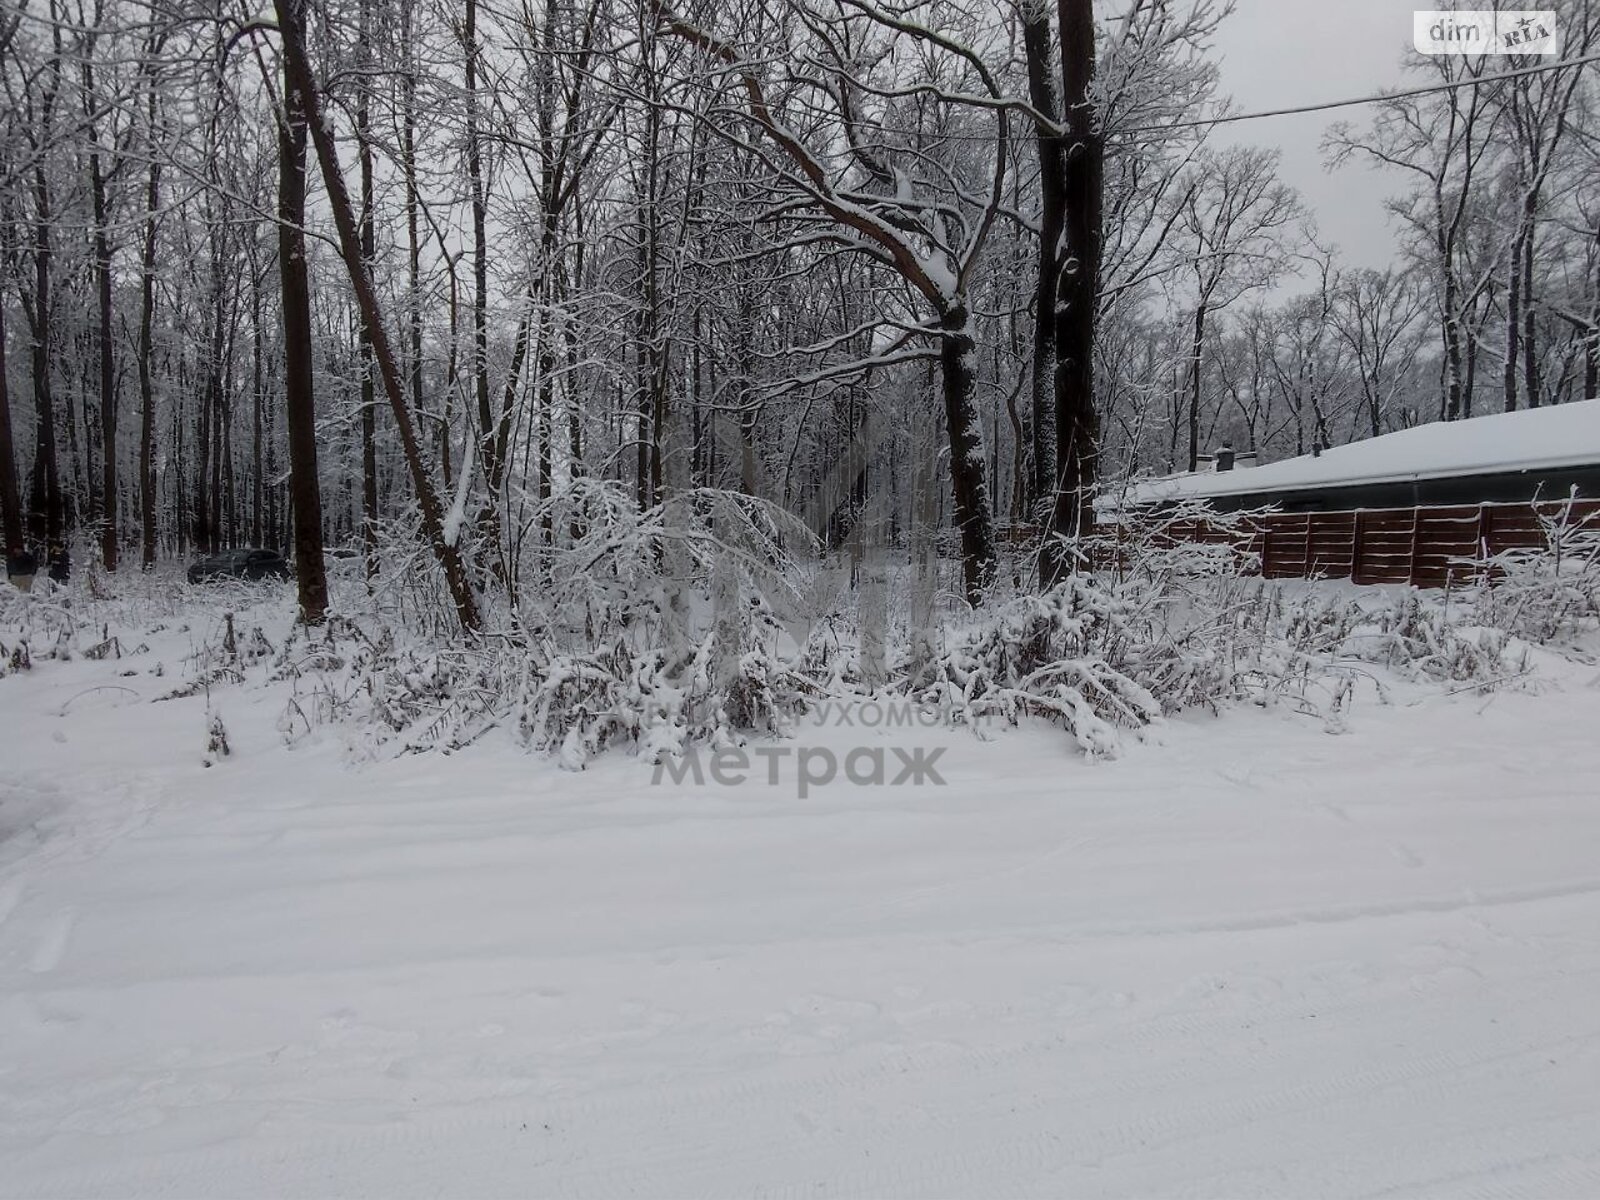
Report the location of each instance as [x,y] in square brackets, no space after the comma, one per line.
[698,622]
[1159,623]
[581,704]
[1546,593]
[1045,656]
[657,627]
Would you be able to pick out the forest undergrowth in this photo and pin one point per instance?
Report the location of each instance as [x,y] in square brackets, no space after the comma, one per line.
[715,624]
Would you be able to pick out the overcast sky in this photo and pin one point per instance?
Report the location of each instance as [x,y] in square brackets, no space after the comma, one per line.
[1280,53]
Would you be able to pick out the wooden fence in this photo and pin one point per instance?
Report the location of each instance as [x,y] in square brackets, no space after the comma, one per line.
[1425,547]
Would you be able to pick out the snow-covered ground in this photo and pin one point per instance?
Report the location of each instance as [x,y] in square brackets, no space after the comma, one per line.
[1248,958]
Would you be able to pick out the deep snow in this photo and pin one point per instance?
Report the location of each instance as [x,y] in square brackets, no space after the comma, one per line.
[1249,958]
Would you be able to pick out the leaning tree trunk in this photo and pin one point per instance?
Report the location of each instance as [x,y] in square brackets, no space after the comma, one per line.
[369,251]
[967,484]
[298,76]
[299,400]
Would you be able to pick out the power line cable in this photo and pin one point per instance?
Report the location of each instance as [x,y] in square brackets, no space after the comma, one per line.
[1322,106]
[1375,98]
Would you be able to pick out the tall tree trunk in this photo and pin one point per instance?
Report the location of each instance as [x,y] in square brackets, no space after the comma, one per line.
[102,276]
[108,382]
[408,166]
[1196,352]
[10,496]
[211,462]
[258,404]
[179,444]
[299,399]
[958,360]
[369,252]
[547,401]
[1043,93]
[147,395]
[1513,361]
[1450,402]
[45,488]
[1468,383]
[1530,348]
[1591,363]
[487,426]
[1077,422]
[652,401]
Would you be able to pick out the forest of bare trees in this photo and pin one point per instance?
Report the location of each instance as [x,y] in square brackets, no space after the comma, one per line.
[393,279]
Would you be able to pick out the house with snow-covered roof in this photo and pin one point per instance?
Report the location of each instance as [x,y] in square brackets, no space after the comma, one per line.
[1515,457]
[1423,506]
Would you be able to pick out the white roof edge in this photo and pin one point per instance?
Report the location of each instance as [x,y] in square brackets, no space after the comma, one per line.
[1554,437]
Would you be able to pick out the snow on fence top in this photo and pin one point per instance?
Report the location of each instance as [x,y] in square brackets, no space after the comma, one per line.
[1567,435]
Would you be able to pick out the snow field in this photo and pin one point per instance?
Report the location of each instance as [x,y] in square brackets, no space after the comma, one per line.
[1249,958]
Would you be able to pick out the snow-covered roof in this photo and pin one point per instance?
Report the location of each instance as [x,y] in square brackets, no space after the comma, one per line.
[1567,435]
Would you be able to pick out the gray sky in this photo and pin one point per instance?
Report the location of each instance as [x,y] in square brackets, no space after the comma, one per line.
[1279,53]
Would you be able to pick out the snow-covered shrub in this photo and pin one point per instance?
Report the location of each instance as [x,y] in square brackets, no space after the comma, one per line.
[657,627]
[581,704]
[1421,640]
[1158,624]
[47,627]
[1045,656]
[1545,593]
[402,691]
[698,622]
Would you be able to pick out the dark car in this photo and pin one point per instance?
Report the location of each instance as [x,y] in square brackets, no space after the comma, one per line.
[241,564]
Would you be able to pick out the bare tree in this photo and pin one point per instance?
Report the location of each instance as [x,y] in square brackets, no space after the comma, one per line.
[1440,141]
[1375,314]
[928,241]
[1234,221]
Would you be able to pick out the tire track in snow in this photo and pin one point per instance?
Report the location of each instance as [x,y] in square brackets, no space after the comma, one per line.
[1335,914]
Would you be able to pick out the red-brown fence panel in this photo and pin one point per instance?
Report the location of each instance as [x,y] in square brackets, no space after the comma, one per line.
[1430,546]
